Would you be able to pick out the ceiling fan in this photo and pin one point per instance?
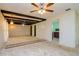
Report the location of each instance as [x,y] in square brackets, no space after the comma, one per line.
[42,8]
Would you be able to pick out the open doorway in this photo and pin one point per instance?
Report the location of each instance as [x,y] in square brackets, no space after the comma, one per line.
[55,30]
[34,30]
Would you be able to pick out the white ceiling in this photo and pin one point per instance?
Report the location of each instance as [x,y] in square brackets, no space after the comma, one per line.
[25,8]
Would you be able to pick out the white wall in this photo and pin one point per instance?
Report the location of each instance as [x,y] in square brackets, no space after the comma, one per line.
[41,30]
[6,34]
[68,25]
[44,30]
[32,30]
[77,28]
[67,29]
[3,29]
[19,30]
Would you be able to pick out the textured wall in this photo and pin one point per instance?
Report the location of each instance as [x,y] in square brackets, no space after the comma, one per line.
[19,30]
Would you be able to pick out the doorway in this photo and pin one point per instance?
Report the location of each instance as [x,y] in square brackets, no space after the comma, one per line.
[30,30]
[34,30]
[55,30]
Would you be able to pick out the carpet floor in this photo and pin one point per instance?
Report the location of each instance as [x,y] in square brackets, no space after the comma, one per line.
[42,48]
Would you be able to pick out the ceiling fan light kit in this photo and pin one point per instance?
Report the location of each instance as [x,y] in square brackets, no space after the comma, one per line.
[41,9]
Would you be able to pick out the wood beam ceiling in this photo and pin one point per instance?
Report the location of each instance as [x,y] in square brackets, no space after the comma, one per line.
[9,12]
[19,20]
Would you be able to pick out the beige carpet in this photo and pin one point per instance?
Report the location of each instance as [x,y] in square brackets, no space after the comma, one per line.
[43,48]
[22,43]
[21,40]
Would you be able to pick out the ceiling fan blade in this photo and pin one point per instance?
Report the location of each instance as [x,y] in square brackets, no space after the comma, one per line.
[35,5]
[49,10]
[49,4]
[33,11]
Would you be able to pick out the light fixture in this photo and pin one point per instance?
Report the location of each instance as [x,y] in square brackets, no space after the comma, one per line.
[41,11]
[11,22]
[23,24]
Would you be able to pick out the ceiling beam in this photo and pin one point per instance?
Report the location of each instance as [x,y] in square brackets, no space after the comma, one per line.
[7,17]
[21,22]
[9,12]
